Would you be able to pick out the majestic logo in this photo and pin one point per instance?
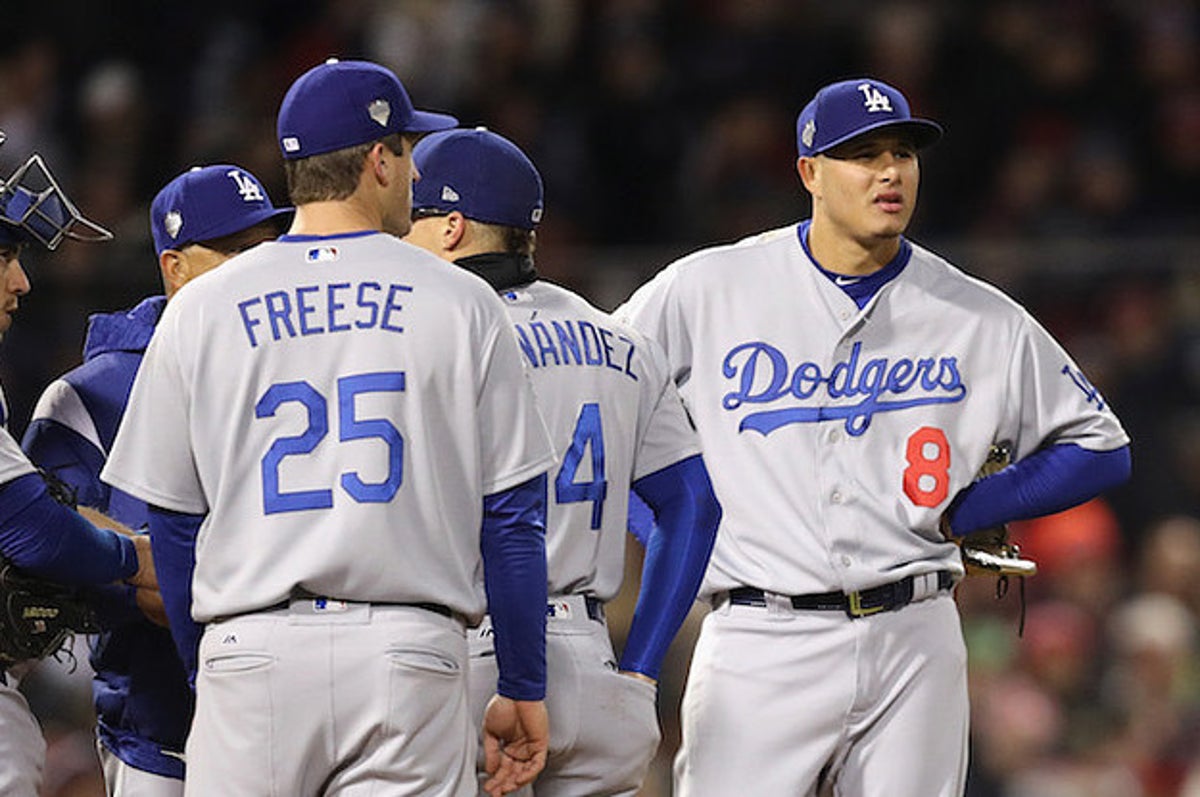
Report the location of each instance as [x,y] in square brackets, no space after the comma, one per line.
[173,222]
[808,133]
[247,186]
[380,111]
[449,194]
[764,376]
[874,99]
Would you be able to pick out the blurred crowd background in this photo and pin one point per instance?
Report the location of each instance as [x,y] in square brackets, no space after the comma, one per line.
[1069,176]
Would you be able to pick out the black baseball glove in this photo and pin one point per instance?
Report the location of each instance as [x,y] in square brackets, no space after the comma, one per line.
[39,617]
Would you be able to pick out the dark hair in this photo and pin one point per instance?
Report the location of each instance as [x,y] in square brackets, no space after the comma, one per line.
[517,241]
[332,175]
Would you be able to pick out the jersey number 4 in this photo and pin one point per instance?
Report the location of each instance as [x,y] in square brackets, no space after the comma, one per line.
[589,433]
[350,427]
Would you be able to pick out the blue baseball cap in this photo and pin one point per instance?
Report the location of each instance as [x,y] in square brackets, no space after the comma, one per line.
[208,202]
[481,174]
[847,109]
[342,104]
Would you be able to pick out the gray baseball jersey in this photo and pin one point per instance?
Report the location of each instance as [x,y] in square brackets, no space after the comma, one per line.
[338,430]
[22,748]
[836,436]
[13,462]
[614,416]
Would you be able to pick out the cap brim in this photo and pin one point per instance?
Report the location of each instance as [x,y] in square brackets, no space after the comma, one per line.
[243,223]
[429,122]
[923,133]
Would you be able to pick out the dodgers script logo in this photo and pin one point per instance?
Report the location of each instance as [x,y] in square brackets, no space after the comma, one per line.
[764,376]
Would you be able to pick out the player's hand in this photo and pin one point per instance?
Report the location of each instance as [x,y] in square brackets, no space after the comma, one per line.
[516,738]
[637,676]
[145,577]
[151,603]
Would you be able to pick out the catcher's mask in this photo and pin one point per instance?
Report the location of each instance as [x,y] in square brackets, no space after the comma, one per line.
[33,207]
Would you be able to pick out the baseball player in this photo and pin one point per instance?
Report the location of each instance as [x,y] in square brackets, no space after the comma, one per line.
[143,703]
[617,420]
[321,428]
[36,532]
[847,385]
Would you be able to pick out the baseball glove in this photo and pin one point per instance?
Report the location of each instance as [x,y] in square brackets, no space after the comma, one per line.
[989,551]
[39,617]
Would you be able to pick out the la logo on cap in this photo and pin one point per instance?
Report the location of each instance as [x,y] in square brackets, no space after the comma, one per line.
[246,186]
[873,99]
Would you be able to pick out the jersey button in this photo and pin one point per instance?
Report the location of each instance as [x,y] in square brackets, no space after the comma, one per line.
[836,497]
[846,561]
[834,436]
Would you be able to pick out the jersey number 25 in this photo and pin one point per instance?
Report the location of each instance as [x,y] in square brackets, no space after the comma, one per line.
[350,427]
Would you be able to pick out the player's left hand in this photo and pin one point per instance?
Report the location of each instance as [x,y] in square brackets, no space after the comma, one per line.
[516,738]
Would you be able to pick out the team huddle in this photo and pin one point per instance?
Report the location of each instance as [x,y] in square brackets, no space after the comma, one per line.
[353,492]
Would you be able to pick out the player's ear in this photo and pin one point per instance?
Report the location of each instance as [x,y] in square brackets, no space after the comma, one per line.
[807,169]
[174,270]
[375,159]
[456,229]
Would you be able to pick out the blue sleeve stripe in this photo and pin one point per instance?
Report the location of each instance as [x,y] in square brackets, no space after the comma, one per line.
[41,535]
[1056,478]
[677,551]
[513,544]
[173,541]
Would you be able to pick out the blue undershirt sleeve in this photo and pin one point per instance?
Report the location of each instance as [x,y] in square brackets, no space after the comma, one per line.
[1050,480]
[513,544]
[173,541]
[641,518]
[46,538]
[677,552]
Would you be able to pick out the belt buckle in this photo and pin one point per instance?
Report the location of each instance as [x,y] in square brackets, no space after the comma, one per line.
[856,609]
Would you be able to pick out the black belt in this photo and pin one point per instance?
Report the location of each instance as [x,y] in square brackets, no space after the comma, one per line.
[436,608]
[884,598]
[595,608]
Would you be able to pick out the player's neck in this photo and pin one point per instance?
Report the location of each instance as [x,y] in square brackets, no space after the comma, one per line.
[333,218]
[845,254]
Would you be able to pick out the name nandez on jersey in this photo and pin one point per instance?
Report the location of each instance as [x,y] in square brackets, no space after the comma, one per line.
[764,376]
[576,343]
